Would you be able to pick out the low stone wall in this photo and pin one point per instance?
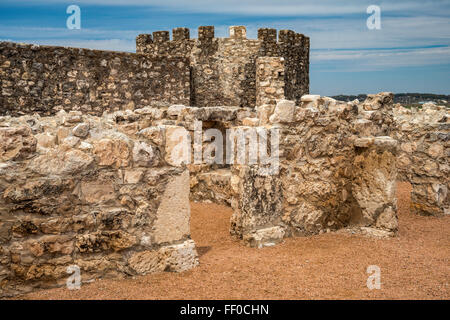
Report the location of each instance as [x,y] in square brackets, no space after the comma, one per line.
[110,195]
[47,79]
[211,186]
[92,192]
[424,137]
[331,176]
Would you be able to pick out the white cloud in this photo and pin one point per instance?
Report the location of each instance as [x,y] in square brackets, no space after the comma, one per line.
[371,60]
[330,24]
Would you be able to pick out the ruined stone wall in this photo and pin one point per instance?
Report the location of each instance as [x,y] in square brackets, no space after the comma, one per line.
[47,79]
[223,70]
[424,137]
[98,193]
[209,180]
[331,176]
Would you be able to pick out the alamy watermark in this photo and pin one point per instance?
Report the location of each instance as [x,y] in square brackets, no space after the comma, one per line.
[74,20]
[374,280]
[241,145]
[74,281]
[374,21]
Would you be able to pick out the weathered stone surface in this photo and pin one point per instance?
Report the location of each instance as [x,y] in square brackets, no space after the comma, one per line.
[270,80]
[16,143]
[177,147]
[265,237]
[97,192]
[81,130]
[284,112]
[173,215]
[423,156]
[308,219]
[112,152]
[154,134]
[95,199]
[88,81]
[179,257]
[45,141]
[378,101]
[146,262]
[212,186]
[257,200]
[60,162]
[144,155]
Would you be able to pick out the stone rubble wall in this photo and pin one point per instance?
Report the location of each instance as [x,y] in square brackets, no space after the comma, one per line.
[223,70]
[269,80]
[210,182]
[48,79]
[331,176]
[424,137]
[95,192]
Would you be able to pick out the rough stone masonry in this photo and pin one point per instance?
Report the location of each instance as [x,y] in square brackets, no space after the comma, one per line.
[86,138]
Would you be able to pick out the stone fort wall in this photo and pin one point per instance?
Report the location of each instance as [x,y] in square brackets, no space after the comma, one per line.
[46,79]
[223,70]
[92,192]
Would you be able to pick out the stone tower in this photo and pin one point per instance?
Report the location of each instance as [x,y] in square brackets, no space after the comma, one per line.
[223,70]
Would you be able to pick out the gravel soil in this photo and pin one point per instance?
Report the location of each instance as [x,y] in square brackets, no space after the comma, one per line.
[414,265]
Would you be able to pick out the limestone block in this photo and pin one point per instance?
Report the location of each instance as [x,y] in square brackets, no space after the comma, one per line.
[373,187]
[144,262]
[284,112]
[264,112]
[154,134]
[179,257]
[265,237]
[144,155]
[307,219]
[45,141]
[175,110]
[178,146]
[173,215]
[81,130]
[310,100]
[97,192]
[258,201]
[133,176]
[16,143]
[111,152]
[378,101]
[60,162]
[376,233]
[251,122]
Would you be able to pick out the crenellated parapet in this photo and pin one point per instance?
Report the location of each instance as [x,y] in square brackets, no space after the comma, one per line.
[223,70]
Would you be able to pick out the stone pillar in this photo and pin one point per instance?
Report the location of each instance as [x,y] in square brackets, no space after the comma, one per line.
[257,206]
[161,36]
[142,41]
[374,185]
[269,80]
[238,32]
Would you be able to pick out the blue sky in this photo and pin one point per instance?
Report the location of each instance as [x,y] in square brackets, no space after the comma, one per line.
[411,52]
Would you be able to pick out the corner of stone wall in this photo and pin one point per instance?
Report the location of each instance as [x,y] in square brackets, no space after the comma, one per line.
[374,185]
[93,192]
[424,136]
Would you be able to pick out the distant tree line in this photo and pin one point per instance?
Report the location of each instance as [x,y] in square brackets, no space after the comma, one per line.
[403,98]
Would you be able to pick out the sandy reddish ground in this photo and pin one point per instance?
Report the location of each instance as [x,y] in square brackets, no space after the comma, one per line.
[330,266]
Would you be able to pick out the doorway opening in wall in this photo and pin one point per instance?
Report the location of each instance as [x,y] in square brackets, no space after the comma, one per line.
[210,198]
